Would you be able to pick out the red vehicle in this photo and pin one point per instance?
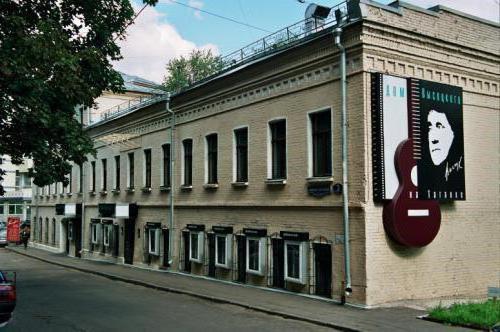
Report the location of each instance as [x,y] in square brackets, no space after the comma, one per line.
[7,295]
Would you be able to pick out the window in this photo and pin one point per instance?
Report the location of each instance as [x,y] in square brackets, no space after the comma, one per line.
[56,188]
[196,246]
[69,187]
[147,168]
[1,209]
[296,261]
[166,165]
[104,175]
[223,250]
[108,228]
[92,186]
[154,241]
[321,141]
[95,230]
[130,170]
[211,159]
[15,209]
[241,154]
[18,180]
[187,145]
[277,165]
[256,255]
[80,181]
[117,172]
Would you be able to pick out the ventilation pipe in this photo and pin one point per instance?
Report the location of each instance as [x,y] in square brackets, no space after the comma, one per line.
[172,191]
[345,197]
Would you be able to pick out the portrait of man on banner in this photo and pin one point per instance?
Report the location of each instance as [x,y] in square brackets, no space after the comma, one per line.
[441,170]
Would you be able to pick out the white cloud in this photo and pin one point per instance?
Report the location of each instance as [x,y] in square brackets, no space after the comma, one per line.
[196,4]
[487,9]
[151,43]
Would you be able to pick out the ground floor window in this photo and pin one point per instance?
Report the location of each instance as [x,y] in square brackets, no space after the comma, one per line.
[70,230]
[256,255]
[154,241]
[223,245]
[295,261]
[95,230]
[108,229]
[196,247]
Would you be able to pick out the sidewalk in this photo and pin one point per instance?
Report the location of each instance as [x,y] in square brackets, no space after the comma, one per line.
[290,306]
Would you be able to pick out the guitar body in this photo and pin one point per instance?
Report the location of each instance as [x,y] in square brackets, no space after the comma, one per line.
[410,221]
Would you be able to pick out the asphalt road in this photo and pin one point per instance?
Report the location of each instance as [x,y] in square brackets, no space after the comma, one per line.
[52,298]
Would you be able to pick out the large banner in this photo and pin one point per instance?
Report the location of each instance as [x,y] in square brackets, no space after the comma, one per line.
[13,225]
[431,115]
[438,139]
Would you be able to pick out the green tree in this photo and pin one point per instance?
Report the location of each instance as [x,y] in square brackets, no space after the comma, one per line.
[55,55]
[184,71]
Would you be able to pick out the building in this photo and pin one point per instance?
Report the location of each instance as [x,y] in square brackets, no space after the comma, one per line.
[258,168]
[16,202]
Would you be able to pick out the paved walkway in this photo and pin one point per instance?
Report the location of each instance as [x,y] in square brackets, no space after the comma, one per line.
[287,305]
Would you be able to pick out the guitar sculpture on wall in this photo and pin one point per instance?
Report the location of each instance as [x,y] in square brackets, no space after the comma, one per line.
[410,221]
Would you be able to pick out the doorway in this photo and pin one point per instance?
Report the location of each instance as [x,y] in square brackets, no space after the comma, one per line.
[211,254]
[242,256]
[323,268]
[128,247]
[278,262]
[187,262]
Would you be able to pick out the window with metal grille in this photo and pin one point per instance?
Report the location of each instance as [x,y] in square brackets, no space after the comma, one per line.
[278,149]
[147,168]
[188,161]
[241,140]
[166,165]
[321,131]
[211,158]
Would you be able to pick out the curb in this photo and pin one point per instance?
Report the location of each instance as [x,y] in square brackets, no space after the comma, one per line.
[192,294]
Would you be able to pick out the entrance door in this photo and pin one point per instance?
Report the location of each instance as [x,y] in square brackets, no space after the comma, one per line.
[77,231]
[278,263]
[323,267]
[166,240]
[116,240]
[128,247]
[211,254]
[66,227]
[242,258]
[187,263]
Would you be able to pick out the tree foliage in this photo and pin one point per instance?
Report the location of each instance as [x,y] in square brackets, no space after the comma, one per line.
[55,55]
[184,71]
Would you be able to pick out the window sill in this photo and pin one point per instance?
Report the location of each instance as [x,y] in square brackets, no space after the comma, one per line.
[103,192]
[130,190]
[222,266]
[319,181]
[116,191]
[146,190]
[61,195]
[197,261]
[239,184]
[80,194]
[54,195]
[295,281]
[92,193]
[164,189]
[186,187]
[211,186]
[257,273]
[276,182]
[69,194]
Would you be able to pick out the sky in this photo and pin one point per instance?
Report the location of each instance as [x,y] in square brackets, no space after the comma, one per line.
[170,29]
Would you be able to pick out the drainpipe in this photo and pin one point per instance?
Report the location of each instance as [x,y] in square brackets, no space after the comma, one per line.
[172,186]
[345,191]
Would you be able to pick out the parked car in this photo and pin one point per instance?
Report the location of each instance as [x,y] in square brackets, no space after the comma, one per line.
[7,295]
[3,234]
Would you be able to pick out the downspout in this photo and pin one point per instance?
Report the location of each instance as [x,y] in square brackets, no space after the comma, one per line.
[345,191]
[172,186]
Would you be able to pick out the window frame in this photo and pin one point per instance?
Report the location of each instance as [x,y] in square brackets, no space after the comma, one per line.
[237,177]
[200,243]
[92,175]
[211,158]
[227,250]
[104,174]
[117,172]
[303,259]
[271,160]
[312,171]
[70,230]
[261,255]
[95,229]
[187,174]
[107,231]
[156,235]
